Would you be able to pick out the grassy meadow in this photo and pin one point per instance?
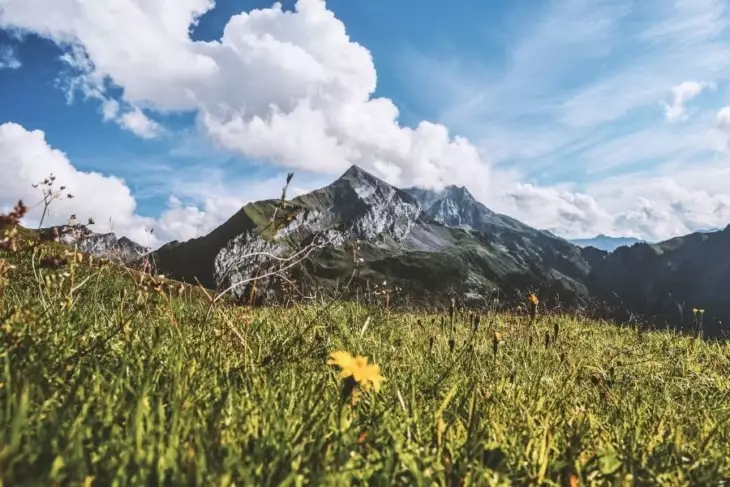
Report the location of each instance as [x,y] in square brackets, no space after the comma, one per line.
[109,377]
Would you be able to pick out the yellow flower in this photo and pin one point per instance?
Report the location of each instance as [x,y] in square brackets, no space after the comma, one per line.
[366,375]
[533,299]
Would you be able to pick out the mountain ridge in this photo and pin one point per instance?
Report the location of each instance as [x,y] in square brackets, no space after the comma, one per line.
[455,206]
[368,228]
[398,241]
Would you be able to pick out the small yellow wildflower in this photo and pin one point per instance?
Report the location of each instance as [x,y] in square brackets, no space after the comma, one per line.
[365,375]
[532,306]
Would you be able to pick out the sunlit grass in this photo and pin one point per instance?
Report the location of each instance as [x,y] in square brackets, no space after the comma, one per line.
[110,379]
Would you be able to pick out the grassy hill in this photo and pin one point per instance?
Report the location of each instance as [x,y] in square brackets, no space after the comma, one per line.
[112,378]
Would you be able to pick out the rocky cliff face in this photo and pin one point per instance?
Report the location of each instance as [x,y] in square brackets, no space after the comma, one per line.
[364,207]
[106,245]
[455,206]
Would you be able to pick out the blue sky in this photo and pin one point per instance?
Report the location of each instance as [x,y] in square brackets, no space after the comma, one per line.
[581,116]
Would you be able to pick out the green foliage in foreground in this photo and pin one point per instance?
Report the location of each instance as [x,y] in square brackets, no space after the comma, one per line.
[138,387]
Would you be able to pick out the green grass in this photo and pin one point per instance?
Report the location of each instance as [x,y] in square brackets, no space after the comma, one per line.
[126,386]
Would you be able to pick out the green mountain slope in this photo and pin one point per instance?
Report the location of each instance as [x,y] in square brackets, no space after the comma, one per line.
[668,280]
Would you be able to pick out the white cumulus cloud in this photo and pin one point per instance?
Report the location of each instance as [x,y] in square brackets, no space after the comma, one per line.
[27,159]
[293,88]
[289,87]
[139,124]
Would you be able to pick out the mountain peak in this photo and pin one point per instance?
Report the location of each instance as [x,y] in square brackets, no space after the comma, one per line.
[366,184]
[452,194]
[458,193]
[358,173]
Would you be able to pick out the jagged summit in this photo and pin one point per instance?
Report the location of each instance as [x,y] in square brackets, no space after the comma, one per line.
[455,206]
[357,175]
[368,207]
[368,186]
[458,193]
[107,245]
[427,197]
[355,171]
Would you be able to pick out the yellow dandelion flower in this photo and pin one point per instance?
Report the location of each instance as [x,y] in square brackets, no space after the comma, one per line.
[344,361]
[533,299]
[366,375]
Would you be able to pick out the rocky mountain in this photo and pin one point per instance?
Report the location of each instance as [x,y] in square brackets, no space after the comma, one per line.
[605,242]
[396,239]
[106,245]
[454,206]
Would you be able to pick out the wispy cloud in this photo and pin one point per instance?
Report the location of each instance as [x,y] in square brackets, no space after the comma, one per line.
[140,124]
[682,93]
[585,64]
[581,106]
[8,58]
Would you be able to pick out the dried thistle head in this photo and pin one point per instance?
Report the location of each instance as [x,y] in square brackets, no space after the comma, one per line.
[532,303]
[9,227]
[496,340]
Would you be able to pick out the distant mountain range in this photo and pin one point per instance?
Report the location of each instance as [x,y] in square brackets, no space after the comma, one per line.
[435,244]
[609,244]
[107,245]
[604,242]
